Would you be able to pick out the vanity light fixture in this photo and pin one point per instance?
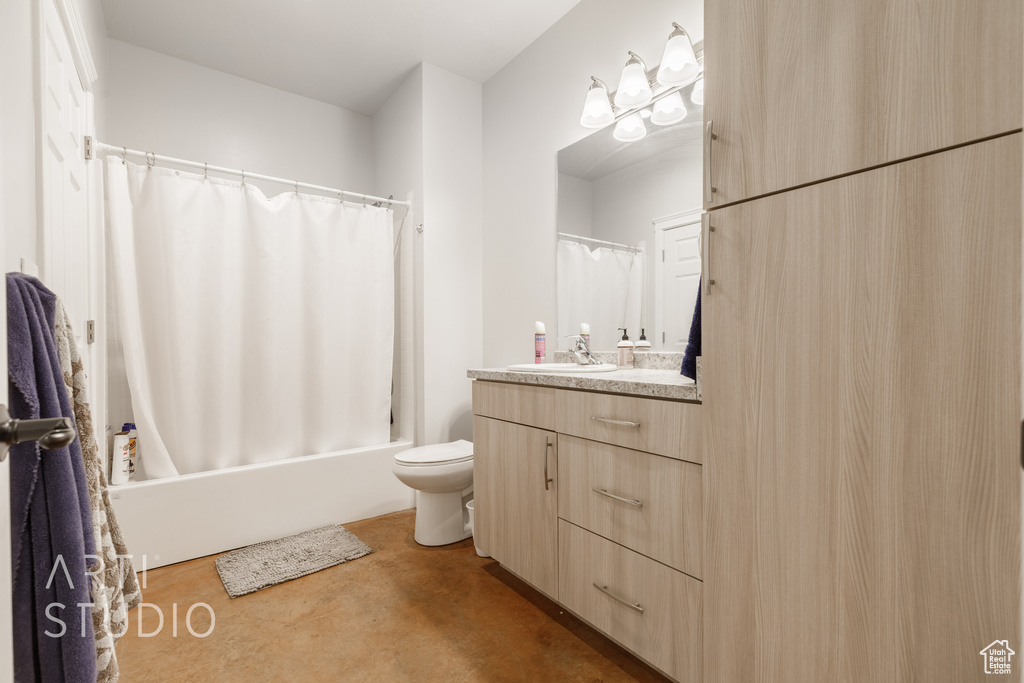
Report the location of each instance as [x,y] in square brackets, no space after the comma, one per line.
[679,63]
[597,111]
[630,128]
[638,88]
[697,94]
[668,110]
[634,88]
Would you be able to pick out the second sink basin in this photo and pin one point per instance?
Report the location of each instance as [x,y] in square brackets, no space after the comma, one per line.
[561,367]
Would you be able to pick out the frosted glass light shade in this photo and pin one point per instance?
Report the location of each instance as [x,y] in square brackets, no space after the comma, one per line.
[634,89]
[679,63]
[669,110]
[630,129]
[597,110]
[697,94]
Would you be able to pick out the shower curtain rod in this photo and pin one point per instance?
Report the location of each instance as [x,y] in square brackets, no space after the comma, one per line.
[94,148]
[596,241]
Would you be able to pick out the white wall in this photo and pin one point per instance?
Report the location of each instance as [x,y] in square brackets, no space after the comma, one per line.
[575,206]
[398,170]
[452,270]
[18,129]
[531,110]
[428,139]
[176,108]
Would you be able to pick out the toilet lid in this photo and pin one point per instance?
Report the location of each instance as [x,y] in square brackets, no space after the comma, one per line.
[438,454]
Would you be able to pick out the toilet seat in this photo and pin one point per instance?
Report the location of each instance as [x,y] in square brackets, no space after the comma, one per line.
[438,454]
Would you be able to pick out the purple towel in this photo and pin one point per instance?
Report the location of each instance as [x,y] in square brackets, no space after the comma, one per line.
[693,350]
[51,526]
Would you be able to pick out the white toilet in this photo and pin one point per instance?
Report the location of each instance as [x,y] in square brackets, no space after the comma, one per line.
[443,478]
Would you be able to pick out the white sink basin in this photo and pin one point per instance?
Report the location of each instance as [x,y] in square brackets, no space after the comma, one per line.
[562,367]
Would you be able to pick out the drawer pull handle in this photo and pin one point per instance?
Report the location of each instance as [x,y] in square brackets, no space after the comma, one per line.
[635,606]
[547,449]
[631,501]
[620,423]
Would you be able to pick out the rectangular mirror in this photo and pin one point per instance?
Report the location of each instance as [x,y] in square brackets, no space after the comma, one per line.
[629,231]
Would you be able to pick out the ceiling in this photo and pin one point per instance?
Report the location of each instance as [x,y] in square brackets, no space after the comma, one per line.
[350,53]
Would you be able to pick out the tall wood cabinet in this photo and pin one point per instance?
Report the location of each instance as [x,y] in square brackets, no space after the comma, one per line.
[862,339]
[862,398]
[802,90]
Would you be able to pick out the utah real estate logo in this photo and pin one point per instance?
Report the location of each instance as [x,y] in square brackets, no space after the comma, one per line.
[997,657]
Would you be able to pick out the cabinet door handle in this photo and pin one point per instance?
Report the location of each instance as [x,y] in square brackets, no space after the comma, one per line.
[620,423]
[709,135]
[635,606]
[706,243]
[631,501]
[547,449]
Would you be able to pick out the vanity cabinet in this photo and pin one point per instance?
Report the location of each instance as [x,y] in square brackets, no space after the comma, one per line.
[596,500]
[802,90]
[862,398]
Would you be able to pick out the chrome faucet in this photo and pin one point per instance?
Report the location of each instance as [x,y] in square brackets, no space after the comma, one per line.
[581,349]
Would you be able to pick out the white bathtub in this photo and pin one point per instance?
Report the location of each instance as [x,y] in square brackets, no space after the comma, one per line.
[180,518]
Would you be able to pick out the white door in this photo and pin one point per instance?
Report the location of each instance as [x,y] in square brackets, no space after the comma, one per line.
[676,280]
[65,115]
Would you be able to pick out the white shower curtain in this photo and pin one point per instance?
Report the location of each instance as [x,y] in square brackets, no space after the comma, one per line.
[603,288]
[254,329]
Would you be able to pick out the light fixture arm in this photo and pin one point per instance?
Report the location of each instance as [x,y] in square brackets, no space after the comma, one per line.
[634,58]
[677,31]
[598,83]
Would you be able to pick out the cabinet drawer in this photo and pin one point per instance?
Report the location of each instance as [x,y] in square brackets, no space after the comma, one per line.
[608,586]
[646,502]
[645,424]
[534,406]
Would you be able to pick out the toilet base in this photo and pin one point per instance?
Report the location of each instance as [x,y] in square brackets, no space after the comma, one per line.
[441,518]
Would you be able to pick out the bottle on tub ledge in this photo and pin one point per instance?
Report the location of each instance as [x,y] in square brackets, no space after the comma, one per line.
[133,448]
[539,344]
[625,350]
[121,458]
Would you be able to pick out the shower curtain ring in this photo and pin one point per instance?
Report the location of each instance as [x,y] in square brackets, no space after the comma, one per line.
[150,163]
[206,171]
[296,187]
[243,179]
[124,155]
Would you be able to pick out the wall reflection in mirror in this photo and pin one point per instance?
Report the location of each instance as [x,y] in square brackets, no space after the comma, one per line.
[629,198]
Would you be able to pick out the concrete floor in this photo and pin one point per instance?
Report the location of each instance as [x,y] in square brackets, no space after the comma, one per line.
[404,613]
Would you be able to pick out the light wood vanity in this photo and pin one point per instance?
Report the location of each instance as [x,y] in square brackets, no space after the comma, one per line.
[596,500]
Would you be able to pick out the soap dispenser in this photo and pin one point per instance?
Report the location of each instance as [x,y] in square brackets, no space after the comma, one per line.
[642,344]
[625,350]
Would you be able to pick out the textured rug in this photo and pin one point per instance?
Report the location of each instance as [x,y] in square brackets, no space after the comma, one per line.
[266,564]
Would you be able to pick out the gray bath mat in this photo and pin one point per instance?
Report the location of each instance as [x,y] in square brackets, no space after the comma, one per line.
[266,564]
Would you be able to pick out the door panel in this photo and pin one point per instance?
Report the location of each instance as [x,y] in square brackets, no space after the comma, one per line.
[803,90]
[862,398]
[65,258]
[516,513]
[680,275]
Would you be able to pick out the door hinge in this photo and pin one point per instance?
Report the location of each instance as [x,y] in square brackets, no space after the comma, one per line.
[90,331]
[88,147]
